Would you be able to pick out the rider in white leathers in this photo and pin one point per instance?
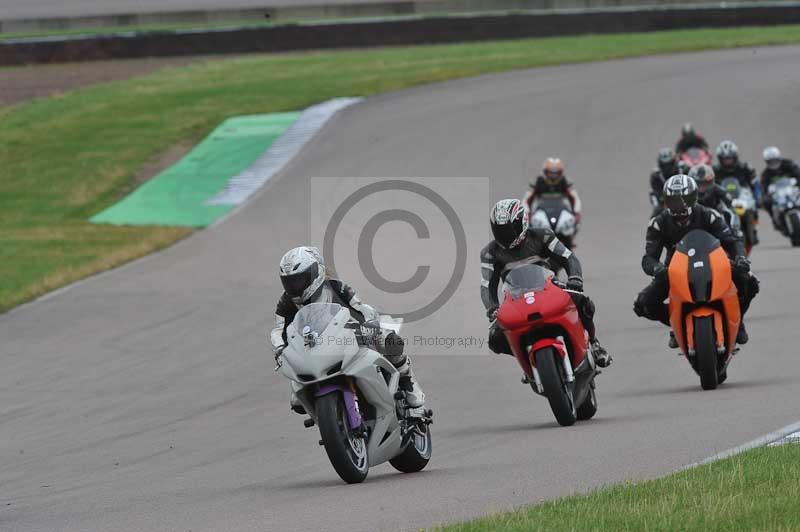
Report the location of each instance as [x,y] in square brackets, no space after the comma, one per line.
[302,272]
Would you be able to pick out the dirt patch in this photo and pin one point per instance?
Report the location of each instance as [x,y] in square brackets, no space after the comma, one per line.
[18,84]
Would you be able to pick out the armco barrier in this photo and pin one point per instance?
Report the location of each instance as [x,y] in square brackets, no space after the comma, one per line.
[388,32]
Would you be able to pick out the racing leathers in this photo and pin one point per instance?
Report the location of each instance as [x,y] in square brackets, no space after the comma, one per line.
[390,345]
[540,246]
[746,175]
[664,233]
[717,198]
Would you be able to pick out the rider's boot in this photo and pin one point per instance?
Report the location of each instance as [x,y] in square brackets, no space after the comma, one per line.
[742,337]
[601,356]
[673,342]
[296,405]
[408,383]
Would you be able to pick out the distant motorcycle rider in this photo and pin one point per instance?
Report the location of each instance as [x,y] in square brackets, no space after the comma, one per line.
[776,167]
[553,181]
[729,165]
[713,196]
[516,244]
[690,139]
[305,281]
[681,215]
[668,165]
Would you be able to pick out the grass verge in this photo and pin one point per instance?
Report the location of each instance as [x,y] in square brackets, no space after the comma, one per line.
[757,490]
[67,157]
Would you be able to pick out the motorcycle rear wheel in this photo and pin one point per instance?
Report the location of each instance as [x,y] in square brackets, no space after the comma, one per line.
[706,348]
[556,388]
[346,451]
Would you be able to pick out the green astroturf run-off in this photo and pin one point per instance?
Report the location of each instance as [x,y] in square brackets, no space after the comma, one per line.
[178,195]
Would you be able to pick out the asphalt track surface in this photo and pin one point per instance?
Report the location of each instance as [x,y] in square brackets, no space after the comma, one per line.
[144,399]
[13,9]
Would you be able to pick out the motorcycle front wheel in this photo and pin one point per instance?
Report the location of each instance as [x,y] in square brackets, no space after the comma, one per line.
[556,388]
[346,450]
[706,348]
[793,224]
[417,453]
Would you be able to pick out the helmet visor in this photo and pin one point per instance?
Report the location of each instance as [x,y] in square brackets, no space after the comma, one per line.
[773,164]
[296,283]
[505,234]
[679,205]
[704,185]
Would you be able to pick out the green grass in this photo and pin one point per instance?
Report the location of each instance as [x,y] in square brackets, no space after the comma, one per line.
[757,490]
[67,157]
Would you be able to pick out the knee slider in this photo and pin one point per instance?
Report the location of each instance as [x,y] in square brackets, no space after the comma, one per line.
[639,307]
[754,285]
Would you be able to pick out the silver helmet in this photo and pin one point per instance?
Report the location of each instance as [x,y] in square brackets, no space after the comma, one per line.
[302,273]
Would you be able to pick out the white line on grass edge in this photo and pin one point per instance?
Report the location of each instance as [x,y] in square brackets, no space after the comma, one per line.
[310,122]
[772,437]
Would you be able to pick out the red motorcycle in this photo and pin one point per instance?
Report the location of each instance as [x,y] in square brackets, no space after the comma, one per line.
[548,340]
[695,156]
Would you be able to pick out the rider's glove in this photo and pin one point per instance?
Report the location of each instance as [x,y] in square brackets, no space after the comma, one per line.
[277,350]
[741,264]
[659,271]
[575,283]
[491,313]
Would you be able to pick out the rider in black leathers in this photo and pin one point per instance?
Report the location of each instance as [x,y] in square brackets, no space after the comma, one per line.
[667,229]
[515,244]
[729,165]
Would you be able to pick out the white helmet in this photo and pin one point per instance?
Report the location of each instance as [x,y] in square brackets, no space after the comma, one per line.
[302,273]
[680,197]
[772,156]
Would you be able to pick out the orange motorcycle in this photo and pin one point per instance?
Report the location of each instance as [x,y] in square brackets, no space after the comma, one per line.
[703,306]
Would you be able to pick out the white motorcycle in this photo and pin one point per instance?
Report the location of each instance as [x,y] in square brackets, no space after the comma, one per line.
[352,393]
[555,212]
[785,196]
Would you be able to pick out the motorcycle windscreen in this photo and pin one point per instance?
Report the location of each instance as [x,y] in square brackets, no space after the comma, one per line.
[732,186]
[698,245]
[552,205]
[785,193]
[526,278]
[316,316]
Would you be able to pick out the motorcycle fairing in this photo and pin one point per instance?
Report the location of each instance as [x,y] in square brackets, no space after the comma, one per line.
[701,285]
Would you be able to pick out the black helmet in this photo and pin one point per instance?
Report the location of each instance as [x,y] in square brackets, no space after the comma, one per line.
[703,175]
[508,222]
[687,129]
[680,197]
[727,153]
[666,160]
